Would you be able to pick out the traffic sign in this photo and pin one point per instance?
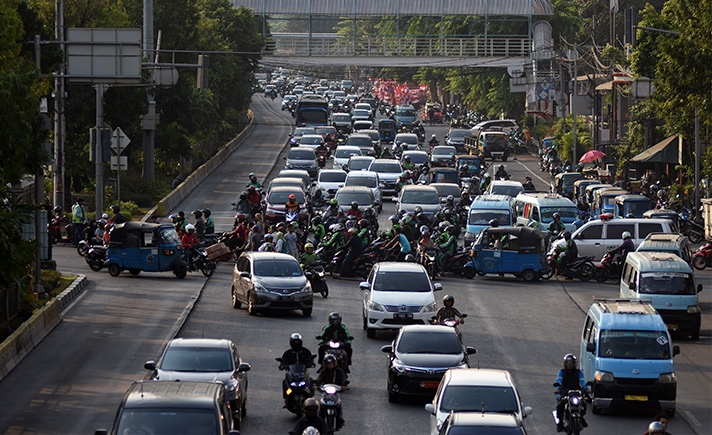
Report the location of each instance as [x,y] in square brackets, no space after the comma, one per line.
[124,160]
[119,141]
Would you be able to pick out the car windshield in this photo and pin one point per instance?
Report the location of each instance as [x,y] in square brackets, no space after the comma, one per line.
[373,134]
[472,398]
[345,153]
[412,196]
[443,151]
[325,130]
[388,168]
[169,236]
[332,177]
[409,139]
[416,158]
[311,140]
[301,154]
[341,118]
[429,342]
[362,181]
[609,199]
[485,430]
[667,284]
[459,134]
[448,189]
[362,113]
[568,182]
[496,139]
[298,132]
[360,141]
[483,217]
[277,268]
[405,111]
[499,189]
[358,164]
[197,359]
[283,197]
[634,344]
[157,421]
[637,208]
[568,214]
[346,198]
[401,281]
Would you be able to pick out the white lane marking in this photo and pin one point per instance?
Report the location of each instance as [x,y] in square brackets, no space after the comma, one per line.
[692,419]
[531,172]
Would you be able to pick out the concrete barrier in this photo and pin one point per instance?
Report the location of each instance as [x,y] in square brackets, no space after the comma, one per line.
[31,333]
[171,201]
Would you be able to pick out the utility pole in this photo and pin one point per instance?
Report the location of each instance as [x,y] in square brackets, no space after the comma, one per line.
[39,198]
[58,166]
[98,151]
[148,120]
[574,54]
[697,161]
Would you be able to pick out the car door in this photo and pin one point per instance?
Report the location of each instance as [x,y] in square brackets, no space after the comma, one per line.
[240,376]
[589,241]
[614,232]
[243,265]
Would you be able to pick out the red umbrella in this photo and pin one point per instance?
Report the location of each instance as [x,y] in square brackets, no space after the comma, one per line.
[591,156]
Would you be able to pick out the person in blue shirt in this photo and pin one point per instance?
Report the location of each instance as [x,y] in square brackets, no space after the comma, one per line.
[399,239]
[569,378]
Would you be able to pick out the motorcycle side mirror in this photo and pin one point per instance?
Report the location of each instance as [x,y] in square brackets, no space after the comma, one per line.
[244,367]
[430,408]
[437,286]
[308,274]
[590,347]
[394,199]
[699,288]
[470,350]
[284,158]
[387,349]
[150,365]
[363,285]
[675,350]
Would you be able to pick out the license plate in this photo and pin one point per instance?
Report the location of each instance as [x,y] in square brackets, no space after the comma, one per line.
[282,298]
[637,398]
[672,326]
[402,316]
[431,384]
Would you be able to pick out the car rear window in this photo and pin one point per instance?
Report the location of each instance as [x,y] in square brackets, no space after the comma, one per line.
[344,153]
[470,398]
[283,197]
[389,168]
[305,154]
[332,177]
[420,197]
[362,181]
[168,421]
[196,359]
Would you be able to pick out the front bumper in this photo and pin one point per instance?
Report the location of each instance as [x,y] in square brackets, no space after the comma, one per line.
[274,301]
[415,382]
[392,318]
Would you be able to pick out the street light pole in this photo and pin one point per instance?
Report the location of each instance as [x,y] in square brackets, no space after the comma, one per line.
[573,54]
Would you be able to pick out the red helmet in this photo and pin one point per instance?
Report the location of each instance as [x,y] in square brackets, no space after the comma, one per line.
[292,197]
[251,188]
[240,217]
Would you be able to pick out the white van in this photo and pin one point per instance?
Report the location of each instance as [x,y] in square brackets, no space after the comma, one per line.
[598,236]
[540,207]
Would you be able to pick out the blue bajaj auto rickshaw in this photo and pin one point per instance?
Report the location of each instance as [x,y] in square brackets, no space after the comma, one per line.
[517,250]
[387,130]
[136,247]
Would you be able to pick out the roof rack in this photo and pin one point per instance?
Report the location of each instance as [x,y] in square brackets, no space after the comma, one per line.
[632,306]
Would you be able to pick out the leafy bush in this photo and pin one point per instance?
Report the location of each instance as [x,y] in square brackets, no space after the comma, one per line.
[49,279]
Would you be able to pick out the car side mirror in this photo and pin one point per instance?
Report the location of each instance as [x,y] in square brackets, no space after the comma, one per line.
[284,158]
[631,286]
[101,432]
[150,365]
[437,286]
[430,408]
[363,285]
[394,199]
[699,288]
[590,347]
[527,411]
[387,349]
[244,367]
[675,350]
[470,350]
[579,236]
[245,274]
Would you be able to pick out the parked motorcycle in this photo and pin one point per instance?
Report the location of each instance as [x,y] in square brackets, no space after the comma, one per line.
[572,420]
[96,257]
[330,402]
[299,386]
[610,268]
[581,268]
[688,227]
[457,262]
[703,257]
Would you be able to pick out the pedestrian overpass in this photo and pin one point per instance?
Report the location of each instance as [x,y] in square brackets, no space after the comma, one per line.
[509,32]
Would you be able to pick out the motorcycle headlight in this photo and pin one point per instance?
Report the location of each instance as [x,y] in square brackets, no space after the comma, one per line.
[302,383]
[293,140]
[375,306]
[398,366]
[601,376]
[433,306]
[575,400]
[667,378]
[330,390]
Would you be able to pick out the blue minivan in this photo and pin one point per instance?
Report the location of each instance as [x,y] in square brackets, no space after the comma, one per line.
[627,355]
[405,115]
[483,209]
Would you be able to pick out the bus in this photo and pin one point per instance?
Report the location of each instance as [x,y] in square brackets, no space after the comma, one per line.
[312,111]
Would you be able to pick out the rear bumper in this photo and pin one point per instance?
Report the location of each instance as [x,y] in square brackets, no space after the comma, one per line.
[634,394]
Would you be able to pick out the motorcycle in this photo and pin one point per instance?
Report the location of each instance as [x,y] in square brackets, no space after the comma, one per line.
[330,404]
[316,275]
[581,268]
[572,420]
[321,155]
[457,262]
[96,257]
[55,230]
[453,323]
[360,266]
[609,268]
[336,349]
[688,227]
[298,386]
[703,256]
[428,259]
[201,262]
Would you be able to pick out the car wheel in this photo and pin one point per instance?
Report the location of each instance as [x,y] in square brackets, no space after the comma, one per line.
[307,312]
[235,301]
[370,332]
[134,271]
[114,269]
[365,323]
[244,408]
[251,302]
[529,275]
[595,409]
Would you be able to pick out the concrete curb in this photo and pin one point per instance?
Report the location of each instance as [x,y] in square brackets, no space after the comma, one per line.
[170,201]
[31,333]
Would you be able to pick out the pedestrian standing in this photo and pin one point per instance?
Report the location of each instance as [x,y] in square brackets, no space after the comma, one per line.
[79,219]
[291,239]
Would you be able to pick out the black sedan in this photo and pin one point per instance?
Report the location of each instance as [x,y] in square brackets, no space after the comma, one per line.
[419,357]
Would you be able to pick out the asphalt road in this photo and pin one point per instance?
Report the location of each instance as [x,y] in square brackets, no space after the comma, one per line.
[73,382]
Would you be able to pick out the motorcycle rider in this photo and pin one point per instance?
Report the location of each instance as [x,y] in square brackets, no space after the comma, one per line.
[625,248]
[189,241]
[318,228]
[528,185]
[335,331]
[433,142]
[464,172]
[354,248]
[424,177]
[395,222]
[364,233]
[452,163]
[292,204]
[420,218]
[209,223]
[243,204]
[569,378]
[448,310]
[408,228]
[318,200]
[338,238]
[400,240]
[486,180]
[407,164]
[253,181]
[354,211]
[449,247]
[556,226]
[267,245]
[569,252]
[308,257]
[386,153]
[501,173]
[199,223]
[253,196]
[296,354]
[333,213]
[118,218]
[311,420]
[333,374]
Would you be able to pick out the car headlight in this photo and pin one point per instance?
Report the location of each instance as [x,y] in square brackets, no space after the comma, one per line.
[433,306]
[307,288]
[231,385]
[375,306]
[289,165]
[398,366]
[260,288]
[693,309]
[667,378]
[463,365]
[601,376]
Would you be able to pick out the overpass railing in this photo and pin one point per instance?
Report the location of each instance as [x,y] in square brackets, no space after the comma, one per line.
[405,45]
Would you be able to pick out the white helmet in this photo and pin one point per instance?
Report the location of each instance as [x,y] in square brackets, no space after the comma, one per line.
[433,136]
[625,235]
[190,227]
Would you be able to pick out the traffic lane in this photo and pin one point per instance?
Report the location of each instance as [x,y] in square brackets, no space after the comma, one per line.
[259,154]
[692,366]
[75,379]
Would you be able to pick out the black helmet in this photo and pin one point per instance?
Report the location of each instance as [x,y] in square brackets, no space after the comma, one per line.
[448,298]
[494,223]
[197,213]
[329,359]
[570,358]
[556,215]
[334,319]
[316,220]
[57,210]
[451,229]
[394,219]
[295,341]
[206,212]
[418,210]
[354,205]
[311,407]
[567,235]
[363,223]
[115,208]
[243,195]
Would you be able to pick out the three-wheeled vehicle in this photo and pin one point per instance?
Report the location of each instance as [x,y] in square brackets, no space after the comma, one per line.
[580,187]
[663,213]
[563,184]
[604,200]
[517,250]
[137,246]
[635,205]
[444,175]
[387,130]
